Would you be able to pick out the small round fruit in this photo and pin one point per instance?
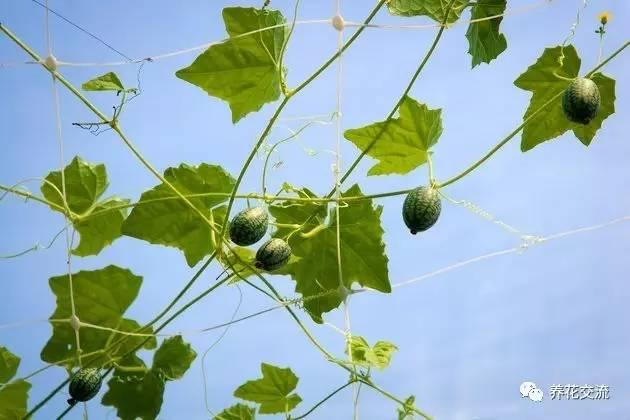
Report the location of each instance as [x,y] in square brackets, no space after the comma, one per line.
[272,255]
[249,226]
[421,209]
[581,101]
[84,385]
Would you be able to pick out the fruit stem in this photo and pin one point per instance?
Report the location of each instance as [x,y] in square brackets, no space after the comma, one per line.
[432,180]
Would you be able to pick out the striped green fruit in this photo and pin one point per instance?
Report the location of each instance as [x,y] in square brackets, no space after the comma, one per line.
[84,385]
[581,101]
[272,255]
[421,209]
[249,226]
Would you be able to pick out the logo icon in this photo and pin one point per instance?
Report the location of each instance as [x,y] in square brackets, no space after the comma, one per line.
[531,391]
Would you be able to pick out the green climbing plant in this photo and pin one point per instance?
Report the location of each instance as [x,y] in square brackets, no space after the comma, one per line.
[326,244]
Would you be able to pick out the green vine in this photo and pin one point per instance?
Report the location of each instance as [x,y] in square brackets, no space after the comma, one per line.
[292,210]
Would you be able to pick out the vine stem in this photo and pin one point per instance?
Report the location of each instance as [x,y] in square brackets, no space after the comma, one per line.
[506,139]
[158,329]
[284,102]
[91,214]
[182,292]
[132,148]
[610,57]
[116,128]
[128,143]
[415,76]
[326,398]
[499,145]
[66,411]
[394,398]
[30,196]
[306,331]
[122,339]
[113,123]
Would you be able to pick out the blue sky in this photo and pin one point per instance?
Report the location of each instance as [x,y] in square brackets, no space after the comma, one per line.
[554,314]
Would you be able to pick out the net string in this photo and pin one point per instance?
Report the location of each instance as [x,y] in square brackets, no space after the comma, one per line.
[77,26]
[484,214]
[510,12]
[68,235]
[514,250]
[339,25]
[217,341]
[337,204]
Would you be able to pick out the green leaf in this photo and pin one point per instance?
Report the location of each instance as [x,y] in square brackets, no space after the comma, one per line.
[163,218]
[13,400]
[9,363]
[108,81]
[548,77]
[485,41]
[378,356]
[314,269]
[102,229]
[237,412]
[85,183]
[101,297]
[244,70]
[173,358]
[140,394]
[435,9]
[272,391]
[135,395]
[404,142]
[407,411]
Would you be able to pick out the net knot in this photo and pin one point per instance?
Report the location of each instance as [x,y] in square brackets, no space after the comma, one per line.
[51,63]
[75,322]
[338,22]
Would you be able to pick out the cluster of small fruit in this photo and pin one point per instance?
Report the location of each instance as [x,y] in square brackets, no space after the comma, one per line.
[248,227]
[421,210]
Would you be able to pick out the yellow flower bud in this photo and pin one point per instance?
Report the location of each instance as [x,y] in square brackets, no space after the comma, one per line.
[604,17]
